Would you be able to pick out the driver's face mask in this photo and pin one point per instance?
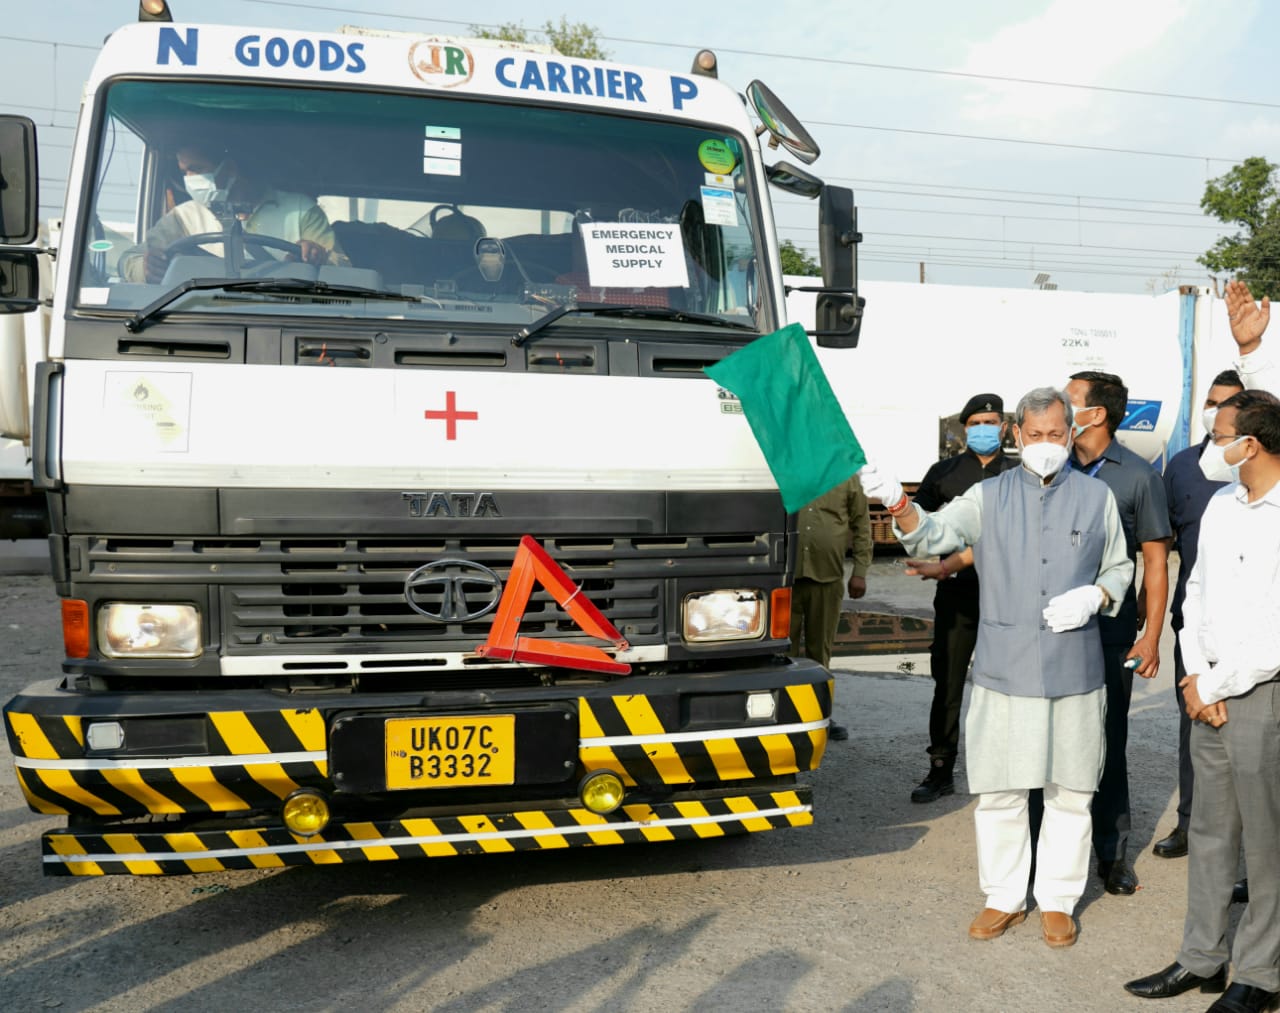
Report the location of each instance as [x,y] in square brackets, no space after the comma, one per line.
[203,186]
[491,258]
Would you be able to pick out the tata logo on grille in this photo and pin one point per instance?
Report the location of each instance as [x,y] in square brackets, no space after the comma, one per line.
[451,504]
[452,590]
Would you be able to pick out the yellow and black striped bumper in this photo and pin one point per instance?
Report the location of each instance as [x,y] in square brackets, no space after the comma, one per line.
[238,766]
[69,853]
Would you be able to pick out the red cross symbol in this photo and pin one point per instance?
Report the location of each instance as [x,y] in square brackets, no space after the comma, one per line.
[451,415]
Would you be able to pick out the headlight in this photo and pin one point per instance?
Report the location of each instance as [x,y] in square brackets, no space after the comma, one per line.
[724,615]
[149,631]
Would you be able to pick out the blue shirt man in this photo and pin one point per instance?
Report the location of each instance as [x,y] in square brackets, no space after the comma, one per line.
[1099,401]
[1188,492]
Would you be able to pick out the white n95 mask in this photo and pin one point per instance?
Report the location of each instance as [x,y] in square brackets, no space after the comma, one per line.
[1044,459]
[1214,466]
[203,186]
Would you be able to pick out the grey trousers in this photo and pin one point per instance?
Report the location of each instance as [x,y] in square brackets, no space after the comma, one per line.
[1236,800]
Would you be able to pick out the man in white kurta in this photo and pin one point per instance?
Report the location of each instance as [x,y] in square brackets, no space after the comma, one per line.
[1049,547]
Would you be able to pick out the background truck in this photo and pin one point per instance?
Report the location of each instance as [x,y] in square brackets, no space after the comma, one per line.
[930,347]
[437,541]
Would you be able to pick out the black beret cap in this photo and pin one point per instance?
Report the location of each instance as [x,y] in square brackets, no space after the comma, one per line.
[981,403]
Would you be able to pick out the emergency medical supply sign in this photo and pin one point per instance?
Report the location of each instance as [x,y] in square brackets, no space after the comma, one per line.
[394,513]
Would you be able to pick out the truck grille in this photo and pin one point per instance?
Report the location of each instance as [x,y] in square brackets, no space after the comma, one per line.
[304,595]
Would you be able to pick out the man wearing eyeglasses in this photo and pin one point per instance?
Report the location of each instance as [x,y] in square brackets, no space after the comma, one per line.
[1232,692]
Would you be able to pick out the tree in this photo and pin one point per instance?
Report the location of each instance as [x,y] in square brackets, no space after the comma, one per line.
[1247,196]
[796,261]
[577,39]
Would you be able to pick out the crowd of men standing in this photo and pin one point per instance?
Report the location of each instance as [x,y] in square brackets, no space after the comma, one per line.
[1037,606]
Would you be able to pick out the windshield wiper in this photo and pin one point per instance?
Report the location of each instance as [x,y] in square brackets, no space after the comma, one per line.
[527,332]
[277,286]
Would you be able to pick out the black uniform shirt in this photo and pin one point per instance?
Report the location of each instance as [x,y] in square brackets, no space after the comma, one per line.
[951,476]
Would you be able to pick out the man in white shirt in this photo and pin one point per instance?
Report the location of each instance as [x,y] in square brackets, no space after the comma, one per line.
[212,177]
[1231,653]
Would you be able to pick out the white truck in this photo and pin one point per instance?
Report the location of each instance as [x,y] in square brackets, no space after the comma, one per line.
[928,348]
[407,523]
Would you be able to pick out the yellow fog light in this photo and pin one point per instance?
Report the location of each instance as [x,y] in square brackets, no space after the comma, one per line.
[306,812]
[601,791]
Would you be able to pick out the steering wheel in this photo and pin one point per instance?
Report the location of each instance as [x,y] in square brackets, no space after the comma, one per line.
[262,242]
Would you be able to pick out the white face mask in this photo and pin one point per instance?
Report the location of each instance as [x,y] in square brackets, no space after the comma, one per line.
[1044,459]
[203,186]
[1213,462]
[1076,427]
[1207,417]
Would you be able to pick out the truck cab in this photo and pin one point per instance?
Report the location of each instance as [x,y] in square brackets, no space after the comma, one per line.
[393,514]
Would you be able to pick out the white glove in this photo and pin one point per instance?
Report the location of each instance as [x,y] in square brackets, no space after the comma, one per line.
[1072,609]
[885,488]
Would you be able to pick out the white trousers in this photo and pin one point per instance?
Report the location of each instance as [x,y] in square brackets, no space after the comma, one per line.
[1062,853]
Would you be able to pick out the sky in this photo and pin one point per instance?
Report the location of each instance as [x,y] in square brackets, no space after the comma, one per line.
[991,141]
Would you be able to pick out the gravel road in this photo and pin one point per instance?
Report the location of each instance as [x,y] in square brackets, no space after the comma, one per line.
[866,910]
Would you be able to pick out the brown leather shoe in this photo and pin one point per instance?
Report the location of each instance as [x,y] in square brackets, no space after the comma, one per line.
[1059,929]
[991,923]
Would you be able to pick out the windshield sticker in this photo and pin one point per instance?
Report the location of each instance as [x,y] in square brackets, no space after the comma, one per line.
[719,207]
[634,256]
[101,245]
[151,410]
[722,181]
[441,166]
[716,156]
[442,149]
[94,296]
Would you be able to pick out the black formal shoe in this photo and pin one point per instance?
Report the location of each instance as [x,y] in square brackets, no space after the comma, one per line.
[1244,999]
[1240,892]
[1173,846]
[837,733]
[1118,878]
[938,782]
[1174,980]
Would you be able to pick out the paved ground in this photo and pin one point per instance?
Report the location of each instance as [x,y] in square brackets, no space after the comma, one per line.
[865,911]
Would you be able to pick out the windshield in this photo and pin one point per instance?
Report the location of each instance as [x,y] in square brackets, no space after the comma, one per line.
[472,210]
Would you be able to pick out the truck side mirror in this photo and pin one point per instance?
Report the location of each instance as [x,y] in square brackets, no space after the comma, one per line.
[19,281]
[838,309]
[19,181]
[781,124]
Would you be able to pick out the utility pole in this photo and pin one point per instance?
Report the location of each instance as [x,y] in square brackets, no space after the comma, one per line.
[922,272]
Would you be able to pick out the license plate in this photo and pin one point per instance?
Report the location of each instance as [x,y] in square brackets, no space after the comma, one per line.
[451,752]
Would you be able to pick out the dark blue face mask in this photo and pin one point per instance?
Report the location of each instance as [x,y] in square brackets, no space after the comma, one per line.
[983,438]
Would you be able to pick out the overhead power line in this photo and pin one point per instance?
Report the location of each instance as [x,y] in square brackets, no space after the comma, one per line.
[1042,218]
[995,189]
[50,42]
[832,61]
[823,123]
[1017,140]
[1038,203]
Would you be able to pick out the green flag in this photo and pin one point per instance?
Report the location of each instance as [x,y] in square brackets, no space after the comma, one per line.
[793,413]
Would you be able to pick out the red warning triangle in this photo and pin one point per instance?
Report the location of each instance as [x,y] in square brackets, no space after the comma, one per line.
[505,643]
